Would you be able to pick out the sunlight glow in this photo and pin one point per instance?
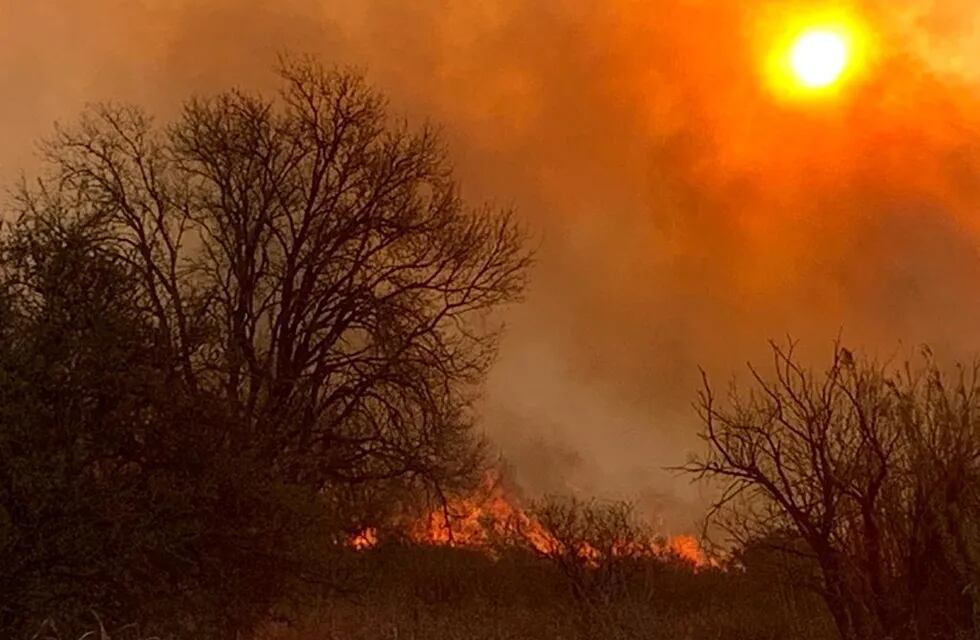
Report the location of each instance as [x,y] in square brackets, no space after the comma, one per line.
[819,57]
[814,55]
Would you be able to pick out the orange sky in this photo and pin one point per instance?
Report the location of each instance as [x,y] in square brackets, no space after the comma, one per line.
[685,214]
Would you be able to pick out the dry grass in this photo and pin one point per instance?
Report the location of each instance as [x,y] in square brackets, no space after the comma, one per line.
[442,594]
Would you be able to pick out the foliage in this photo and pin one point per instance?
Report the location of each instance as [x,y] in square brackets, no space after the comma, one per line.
[113,491]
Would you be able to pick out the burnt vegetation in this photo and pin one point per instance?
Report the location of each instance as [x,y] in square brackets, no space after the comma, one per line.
[238,359]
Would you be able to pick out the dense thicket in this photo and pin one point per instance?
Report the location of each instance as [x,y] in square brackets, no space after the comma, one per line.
[219,335]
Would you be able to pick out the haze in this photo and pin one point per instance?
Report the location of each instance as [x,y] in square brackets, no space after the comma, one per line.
[684,214]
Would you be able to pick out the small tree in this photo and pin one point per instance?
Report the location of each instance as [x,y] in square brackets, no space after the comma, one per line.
[864,464]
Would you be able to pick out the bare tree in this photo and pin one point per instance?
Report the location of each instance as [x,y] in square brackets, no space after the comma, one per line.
[864,464]
[308,260]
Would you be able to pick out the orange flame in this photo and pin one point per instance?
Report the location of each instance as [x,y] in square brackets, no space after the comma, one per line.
[688,549]
[366,539]
[492,514]
[476,521]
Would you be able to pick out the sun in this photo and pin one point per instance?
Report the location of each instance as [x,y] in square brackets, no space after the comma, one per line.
[814,56]
[819,58]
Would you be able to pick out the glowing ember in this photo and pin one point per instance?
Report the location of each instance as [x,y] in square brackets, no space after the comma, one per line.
[366,539]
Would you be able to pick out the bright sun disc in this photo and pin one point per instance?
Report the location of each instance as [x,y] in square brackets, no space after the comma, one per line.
[813,57]
[819,58]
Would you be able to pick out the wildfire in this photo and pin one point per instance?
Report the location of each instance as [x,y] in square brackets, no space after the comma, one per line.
[688,548]
[366,539]
[495,515]
[478,521]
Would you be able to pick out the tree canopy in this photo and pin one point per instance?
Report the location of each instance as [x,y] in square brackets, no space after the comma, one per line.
[211,330]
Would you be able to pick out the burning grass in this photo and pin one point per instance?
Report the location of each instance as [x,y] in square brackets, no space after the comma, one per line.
[495,517]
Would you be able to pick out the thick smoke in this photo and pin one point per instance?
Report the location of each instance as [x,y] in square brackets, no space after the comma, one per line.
[685,215]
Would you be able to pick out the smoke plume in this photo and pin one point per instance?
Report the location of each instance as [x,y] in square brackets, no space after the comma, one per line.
[684,214]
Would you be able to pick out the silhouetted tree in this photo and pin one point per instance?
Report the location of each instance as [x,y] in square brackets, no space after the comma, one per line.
[866,465]
[307,260]
[215,333]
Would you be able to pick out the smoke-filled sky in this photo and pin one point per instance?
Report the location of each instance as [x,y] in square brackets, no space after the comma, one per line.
[685,211]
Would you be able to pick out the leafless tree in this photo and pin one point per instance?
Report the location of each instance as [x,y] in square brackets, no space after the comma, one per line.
[866,465]
[309,260]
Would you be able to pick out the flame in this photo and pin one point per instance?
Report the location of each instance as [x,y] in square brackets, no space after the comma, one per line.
[474,522]
[688,549]
[494,514]
[366,539]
